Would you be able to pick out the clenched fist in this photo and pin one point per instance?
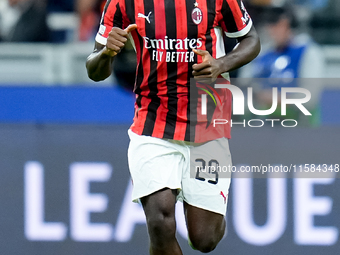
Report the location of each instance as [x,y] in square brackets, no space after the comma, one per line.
[117,39]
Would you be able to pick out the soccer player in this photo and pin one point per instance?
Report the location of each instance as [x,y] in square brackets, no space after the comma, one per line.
[175,41]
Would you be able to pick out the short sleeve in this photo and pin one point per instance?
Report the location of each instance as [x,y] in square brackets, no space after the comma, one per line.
[235,20]
[111,17]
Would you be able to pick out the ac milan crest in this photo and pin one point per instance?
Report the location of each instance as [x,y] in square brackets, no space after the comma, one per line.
[196,14]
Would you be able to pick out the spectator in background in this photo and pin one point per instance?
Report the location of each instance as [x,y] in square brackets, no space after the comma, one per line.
[60,5]
[313,4]
[23,21]
[89,12]
[303,58]
[289,55]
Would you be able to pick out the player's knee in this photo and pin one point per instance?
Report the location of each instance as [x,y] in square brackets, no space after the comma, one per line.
[161,229]
[204,244]
[205,241]
[161,226]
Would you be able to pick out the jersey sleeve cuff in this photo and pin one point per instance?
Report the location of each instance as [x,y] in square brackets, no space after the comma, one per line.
[101,39]
[242,32]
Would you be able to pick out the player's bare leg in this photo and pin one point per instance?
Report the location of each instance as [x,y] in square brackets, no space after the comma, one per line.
[205,228]
[159,209]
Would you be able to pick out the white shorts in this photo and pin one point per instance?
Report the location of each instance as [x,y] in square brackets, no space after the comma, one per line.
[157,163]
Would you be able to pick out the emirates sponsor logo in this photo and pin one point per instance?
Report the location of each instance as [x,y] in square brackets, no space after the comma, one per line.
[172,50]
[172,44]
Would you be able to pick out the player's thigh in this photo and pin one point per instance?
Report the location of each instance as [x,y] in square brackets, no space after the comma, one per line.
[202,223]
[159,208]
[162,201]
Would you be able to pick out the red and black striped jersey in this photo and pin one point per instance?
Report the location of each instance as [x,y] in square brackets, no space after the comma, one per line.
[167,30]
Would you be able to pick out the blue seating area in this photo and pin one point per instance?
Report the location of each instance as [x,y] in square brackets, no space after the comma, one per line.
[82,105]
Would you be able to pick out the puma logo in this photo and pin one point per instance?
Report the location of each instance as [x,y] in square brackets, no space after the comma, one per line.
[141,15]
[225,198]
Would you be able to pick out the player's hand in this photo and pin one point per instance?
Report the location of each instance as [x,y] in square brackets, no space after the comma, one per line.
[117,39]
[208,70]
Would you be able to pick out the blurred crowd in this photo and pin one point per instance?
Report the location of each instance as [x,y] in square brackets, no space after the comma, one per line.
[320,16]
[28,20]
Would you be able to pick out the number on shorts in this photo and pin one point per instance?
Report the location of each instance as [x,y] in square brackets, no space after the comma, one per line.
[212,169]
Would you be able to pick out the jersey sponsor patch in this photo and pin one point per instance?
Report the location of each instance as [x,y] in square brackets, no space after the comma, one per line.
[102,29]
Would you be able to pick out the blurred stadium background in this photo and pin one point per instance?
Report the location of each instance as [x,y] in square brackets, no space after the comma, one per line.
[64,185]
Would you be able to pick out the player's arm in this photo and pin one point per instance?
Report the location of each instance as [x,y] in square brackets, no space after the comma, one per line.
[247,49]
[99,63]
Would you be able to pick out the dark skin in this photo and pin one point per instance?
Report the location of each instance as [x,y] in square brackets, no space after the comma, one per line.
[99,63]
[205,228]
[210,68]
[159,209]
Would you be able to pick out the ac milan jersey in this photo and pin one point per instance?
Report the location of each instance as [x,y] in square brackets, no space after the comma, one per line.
[167,31]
